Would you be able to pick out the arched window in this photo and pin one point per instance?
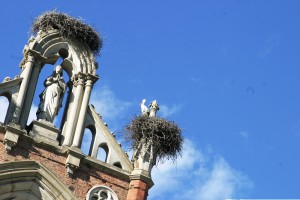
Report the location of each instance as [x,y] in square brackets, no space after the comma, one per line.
[36,182]
[87,140]
[40,93]
[102,153]
[4,104]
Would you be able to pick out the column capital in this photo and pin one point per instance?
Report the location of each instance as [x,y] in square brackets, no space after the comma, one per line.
[78,79]
[91,79]
[30,55]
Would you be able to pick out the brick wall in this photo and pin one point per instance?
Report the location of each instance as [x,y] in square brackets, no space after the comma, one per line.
[84,178]
[137,190]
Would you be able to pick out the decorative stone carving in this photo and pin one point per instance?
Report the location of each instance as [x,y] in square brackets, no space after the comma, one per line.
[12,136]
[91,79]
[73,160]
[28,57]
[78,79]
[6,79]
[52,96]
[101,193]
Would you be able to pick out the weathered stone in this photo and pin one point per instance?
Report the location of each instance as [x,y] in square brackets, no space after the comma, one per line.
[44,131]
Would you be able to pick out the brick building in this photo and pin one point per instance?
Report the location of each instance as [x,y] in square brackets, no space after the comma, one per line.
[41,161]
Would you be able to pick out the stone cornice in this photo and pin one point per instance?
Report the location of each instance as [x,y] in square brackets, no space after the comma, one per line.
[143,178]
[108,168]
[10,83]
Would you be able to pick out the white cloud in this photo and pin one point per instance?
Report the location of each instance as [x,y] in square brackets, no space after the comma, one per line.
[222,182]
[166,111]
[108,105]
[197,176]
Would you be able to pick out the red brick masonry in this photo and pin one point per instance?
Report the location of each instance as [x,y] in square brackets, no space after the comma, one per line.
[83,179]
[137,190]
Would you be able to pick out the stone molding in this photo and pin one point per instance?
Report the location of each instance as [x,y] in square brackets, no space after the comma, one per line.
[15,172]
[12,136]
[107,168]
[73,159]
[101,192]
[142,177]
[78,79]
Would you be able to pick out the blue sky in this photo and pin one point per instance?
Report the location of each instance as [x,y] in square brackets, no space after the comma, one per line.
[226,71]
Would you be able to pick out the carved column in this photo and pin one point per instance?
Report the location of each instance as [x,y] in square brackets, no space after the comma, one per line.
[78,81]
[90,80]
[26,64]
[30,93]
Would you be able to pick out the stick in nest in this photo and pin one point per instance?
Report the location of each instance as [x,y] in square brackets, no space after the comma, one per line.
[68,27]
[163,135]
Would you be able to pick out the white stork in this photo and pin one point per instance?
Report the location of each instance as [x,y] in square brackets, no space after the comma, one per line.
[144,108]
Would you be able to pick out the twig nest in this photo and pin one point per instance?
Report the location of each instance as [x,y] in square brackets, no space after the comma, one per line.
[165,136]
[68,27]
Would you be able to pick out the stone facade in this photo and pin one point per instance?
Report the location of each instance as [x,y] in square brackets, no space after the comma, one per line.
[46,162]
[90,173]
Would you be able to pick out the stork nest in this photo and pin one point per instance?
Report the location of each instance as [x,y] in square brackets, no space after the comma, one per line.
[164,136]
[68,27]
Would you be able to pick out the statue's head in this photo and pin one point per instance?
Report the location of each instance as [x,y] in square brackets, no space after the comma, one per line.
[58,69]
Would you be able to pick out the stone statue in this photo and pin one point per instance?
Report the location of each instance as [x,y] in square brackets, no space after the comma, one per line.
[153,108]
[52,96]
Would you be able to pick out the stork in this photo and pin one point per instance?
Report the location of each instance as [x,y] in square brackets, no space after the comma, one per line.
[144,108]
[153,108]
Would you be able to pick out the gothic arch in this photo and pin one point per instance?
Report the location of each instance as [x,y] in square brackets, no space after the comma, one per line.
[5,100]
[89,131]
[6,94]
[9,89]
[32,180]
[105,149]
[77,55]
[78,62]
